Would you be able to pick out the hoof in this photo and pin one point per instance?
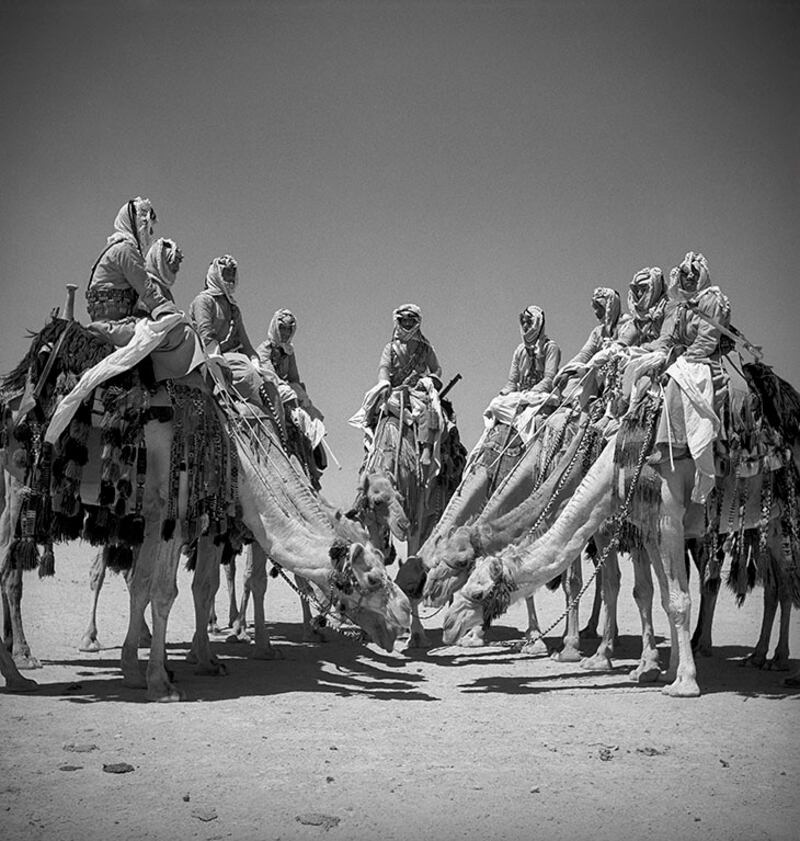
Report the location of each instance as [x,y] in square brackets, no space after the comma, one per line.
[268,653]
[21,684]
[567,655]
[26,662]
[90,644]
[682,689]
[534,648]
[597,663]
[645,674]
[165,695]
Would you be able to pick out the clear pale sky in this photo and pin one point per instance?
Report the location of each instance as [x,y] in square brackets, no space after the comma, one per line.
[470,157]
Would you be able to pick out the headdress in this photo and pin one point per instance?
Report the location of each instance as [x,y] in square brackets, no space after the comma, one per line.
[157,261]
[216,284]
[286,318]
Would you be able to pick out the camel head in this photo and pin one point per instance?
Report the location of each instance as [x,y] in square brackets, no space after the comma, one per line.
[382,504]
[485,596]
[450,563]
[365,593]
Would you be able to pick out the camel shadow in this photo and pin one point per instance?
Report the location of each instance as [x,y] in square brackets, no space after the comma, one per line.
[339,667]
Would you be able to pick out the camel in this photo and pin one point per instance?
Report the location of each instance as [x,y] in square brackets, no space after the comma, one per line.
[665,490]
[525,499]
[399,497]
[279,509]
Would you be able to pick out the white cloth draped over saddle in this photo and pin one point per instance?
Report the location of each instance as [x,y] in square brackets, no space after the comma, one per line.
[505,408]
[702,424]
[147,337]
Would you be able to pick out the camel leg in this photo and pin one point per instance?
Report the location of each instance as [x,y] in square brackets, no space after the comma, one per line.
[534,646]
[230,580]
[239,624]
[140,583]
[709,590]
[649,669]
[163,592]
[758,657]
[145,637]
[255,574]
[608,587]
[15,682]
[418,637]
[205,584]
[310,632]
[589,630]
[12,604]
[11,579]
[97,575]
[571,583]
[674,583]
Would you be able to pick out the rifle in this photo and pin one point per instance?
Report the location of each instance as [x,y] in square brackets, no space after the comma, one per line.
[731,332]
[446,389]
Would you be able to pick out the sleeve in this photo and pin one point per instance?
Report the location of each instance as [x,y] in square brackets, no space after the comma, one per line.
[293,376]
[707,339]
[666,337]
[628,334]
[131,264]
[202,311]
[385,365]
[512,383]
[552,358]
[589,349]
[434,367]
[240,334]
[264,355]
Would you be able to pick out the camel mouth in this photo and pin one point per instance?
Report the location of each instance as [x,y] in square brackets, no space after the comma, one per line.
[442,584]
[385,626]
[461,617]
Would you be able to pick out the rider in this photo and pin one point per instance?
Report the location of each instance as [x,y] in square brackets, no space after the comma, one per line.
[409,362]
[119,279]
[606,306]
[533,368]
[162,263]
[218,321]
[695,391]
[278,358]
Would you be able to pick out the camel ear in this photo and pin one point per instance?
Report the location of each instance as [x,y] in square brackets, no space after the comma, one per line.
[358,560]
[365,481]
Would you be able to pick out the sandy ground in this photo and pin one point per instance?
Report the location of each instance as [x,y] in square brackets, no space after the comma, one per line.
[342,741]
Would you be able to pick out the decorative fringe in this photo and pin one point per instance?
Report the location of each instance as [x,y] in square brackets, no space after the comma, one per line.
[64,527]
[101,526]
[168,528]
[119,557]
[47,563]
[23,554]
[131,529]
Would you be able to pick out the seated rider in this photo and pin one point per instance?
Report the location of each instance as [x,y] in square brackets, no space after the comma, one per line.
[530,380]
[409,362]
[696,388]
[576,379]
[162,263]
[218,321]
[119,280]
[277,356]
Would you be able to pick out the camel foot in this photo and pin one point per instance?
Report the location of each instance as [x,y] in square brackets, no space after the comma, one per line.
[778,664]
[645,673]
[239,635]
[26,662]
[597,663]
[534,648]
[89,643]
[267,652]
[589,633]
[21,684]
[685,688]
[568,654]
[167,694]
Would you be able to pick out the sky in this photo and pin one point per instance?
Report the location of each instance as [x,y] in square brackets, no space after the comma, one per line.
[470,157]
